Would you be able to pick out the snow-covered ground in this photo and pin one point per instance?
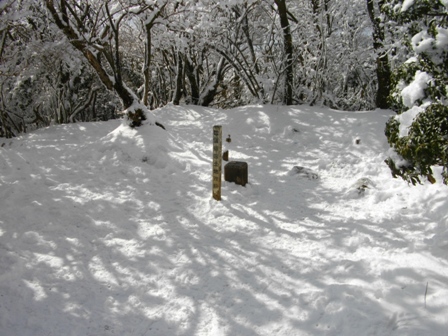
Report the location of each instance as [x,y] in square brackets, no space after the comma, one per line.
[106,230]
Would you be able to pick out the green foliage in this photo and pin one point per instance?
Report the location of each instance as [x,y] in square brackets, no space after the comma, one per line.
[403,74]
[414,14]
[436,90]
[426,145]
[392,131]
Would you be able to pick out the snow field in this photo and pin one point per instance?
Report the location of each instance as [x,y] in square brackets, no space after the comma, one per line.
[105,230]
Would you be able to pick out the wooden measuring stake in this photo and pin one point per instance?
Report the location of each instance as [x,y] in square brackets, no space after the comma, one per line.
[217,163]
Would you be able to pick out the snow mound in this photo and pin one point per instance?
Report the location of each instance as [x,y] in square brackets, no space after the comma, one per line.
[303,172]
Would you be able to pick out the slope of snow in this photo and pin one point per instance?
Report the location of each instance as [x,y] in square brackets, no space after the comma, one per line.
[105,230]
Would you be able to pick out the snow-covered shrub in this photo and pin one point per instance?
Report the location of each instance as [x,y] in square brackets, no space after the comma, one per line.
[419,133]
[425,145]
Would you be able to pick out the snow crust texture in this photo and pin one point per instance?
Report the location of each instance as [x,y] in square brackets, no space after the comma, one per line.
[107,230]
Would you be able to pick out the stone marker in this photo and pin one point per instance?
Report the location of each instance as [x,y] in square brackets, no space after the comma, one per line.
[225,155]
[236,171]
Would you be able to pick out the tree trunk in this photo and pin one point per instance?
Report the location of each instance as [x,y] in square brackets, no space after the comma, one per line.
[146,69]
[288,49]
[148,52]
[189,71]
[250,44]
[179,80]
[383,71]
[210,92]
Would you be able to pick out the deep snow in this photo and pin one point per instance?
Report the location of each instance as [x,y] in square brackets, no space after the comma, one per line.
[105,230]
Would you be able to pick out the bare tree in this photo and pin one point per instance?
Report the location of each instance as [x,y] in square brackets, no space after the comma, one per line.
[93,28]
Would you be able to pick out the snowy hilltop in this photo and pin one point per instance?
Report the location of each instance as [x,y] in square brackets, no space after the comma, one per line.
[108,230]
